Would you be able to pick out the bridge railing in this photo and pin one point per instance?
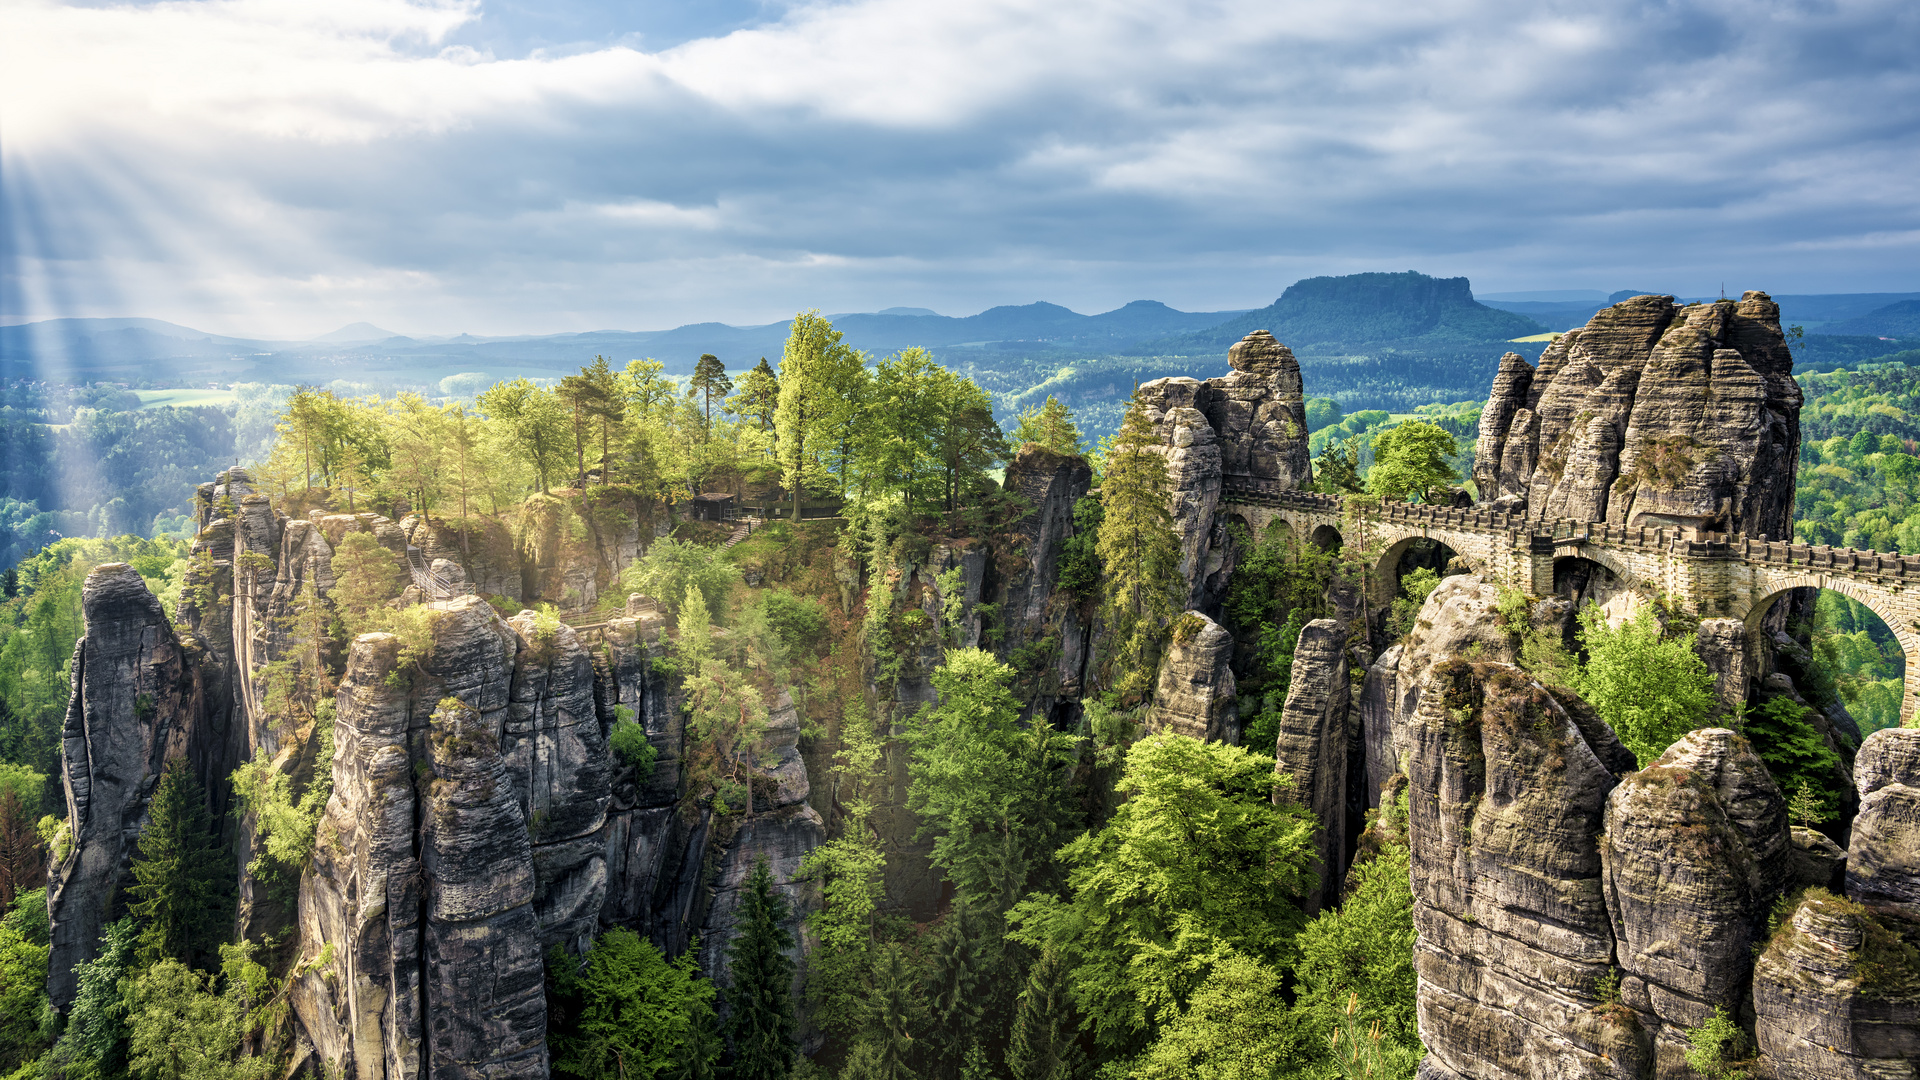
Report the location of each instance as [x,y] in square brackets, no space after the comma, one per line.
[1659,538]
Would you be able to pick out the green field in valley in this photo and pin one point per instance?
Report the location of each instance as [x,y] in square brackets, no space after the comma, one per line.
[184,397]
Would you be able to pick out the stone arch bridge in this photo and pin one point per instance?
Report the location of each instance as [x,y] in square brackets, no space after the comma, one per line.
[1711,575]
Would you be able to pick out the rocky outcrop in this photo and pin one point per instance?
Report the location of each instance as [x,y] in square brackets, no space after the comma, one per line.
[1258,410]
[1248,426]
[1025,579]
[1505,801]
[135,703]
[1695,853]
[1722,647]
[1460,618]
[1883,861]
[1834,998]
[1195,693]
[1192,450]
[484,551]
[428,957]
[1652,414]
[1312,750]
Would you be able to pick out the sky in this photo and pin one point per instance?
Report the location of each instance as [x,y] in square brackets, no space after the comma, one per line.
[281,168]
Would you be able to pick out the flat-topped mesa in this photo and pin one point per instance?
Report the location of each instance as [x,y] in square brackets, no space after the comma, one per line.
[1652,414]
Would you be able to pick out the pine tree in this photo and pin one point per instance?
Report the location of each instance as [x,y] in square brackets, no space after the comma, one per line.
[761,1025]
[177,873]
[1044,1045]
[956,991]
[894,1015]
[710,378]
[1140,553]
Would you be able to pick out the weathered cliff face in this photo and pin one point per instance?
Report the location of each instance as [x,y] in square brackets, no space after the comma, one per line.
[1505,800]
[1249,426]
[574,544]
[1024,587]
[1315,746]
[427,955]
[484,552]
[1695,852]
[1652,415]
[136,702]
[1195,693]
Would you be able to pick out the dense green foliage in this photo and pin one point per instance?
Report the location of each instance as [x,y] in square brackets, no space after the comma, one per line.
[1649,687]
[1139,554]
[1279,586]
[627,1013]
[1794,751]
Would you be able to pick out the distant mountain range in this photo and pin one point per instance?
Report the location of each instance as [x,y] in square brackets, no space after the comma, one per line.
[99,349]
[1375,324]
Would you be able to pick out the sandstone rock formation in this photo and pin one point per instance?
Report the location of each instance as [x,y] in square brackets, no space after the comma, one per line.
[1313,748]
[1820,1013]
[1195,692]
[1695,853]
[135,704]
[1652,414]
[1505,801]
[1883,862]
[1031,607]
[1248,426]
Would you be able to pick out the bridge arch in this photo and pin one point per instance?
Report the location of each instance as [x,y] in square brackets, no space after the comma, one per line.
[1753,610]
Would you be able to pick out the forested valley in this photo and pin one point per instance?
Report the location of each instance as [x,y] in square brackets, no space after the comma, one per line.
[942,652]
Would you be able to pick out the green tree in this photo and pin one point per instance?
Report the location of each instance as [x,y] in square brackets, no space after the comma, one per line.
[710,378]
[820,379]
[1649,688]
[1051,426]
[177,873]
[95,1041]
[1356,960]
[850,868]
[761,1025]
[181,1029]
[888,1049]
[758,395]
[1796,754]
[367,574]
[1045,1043]
[605,404]
[1235,1028]
[964,953]
[23,996]
[534,424]
[983,787]
[1198,863]
[1337,470]
[637,1016]
[726,717]
[1140,554]
[671,566]
[1410,460]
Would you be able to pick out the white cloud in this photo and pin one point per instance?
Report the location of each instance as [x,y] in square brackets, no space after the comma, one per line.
[224,155]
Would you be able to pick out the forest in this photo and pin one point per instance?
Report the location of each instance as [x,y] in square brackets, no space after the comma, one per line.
[1114,902]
